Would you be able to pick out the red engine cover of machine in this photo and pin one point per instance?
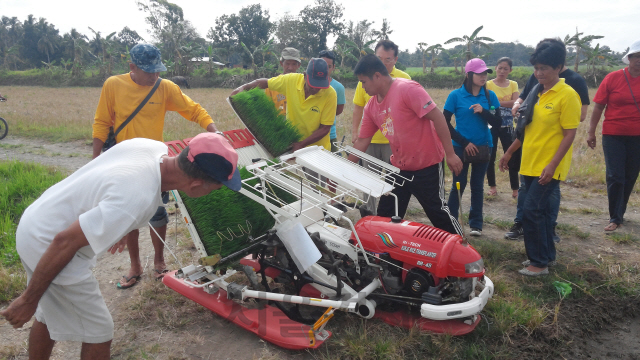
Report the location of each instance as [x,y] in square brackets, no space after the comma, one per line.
[417,245]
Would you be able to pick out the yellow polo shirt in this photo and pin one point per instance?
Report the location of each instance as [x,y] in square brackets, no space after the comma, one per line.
[361,98]
[120,96]
[306,114]
[557,109]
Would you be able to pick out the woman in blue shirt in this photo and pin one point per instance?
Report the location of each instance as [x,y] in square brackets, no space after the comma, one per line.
[472,106]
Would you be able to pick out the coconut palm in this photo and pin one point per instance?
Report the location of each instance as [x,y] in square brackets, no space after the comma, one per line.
[46,43]
[383,33]
[469,41]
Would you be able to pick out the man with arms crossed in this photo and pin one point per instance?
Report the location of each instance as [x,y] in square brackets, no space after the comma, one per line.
[61,234]
[418,136]
[290,62]
[121,95]
[387,52]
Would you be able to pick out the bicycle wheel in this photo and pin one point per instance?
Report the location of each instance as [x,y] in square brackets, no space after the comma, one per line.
[4,129]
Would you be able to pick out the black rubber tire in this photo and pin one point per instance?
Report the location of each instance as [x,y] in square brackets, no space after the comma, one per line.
[4,128]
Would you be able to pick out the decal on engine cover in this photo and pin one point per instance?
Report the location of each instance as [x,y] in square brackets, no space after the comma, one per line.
[420,263]
[418,251]
[387,240]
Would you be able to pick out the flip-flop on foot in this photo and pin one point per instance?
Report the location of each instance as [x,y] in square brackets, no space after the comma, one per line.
[611,227]
[127,280]
[160,273]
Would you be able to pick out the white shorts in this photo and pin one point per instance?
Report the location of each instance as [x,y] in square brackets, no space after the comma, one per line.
[75,312]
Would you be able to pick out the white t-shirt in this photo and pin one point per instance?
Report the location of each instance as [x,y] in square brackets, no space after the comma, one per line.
[117,192]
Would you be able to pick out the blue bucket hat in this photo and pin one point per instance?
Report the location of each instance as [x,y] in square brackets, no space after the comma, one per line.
[147,58]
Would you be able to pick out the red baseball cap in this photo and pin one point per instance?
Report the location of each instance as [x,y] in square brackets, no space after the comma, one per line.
[213,154]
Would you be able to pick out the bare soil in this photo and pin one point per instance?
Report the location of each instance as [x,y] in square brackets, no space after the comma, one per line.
[154,322]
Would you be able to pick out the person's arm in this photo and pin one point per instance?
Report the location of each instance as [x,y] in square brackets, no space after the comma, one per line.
[504,160]
[103,119]
[358,111]
[595,119]
[583,112]
[565,144]
[440,124]
[315,136]
[453,133]
[261,83]
[360,144]
[97,147]
[339,109]
[61,251]
[509,103]
[495,120]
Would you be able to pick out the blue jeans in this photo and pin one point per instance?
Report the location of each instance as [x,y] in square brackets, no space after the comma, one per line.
[478,171]
[538,220]
[622,159]
[554,203]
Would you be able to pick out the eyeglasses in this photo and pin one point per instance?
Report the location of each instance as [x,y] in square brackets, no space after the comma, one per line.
[387,60]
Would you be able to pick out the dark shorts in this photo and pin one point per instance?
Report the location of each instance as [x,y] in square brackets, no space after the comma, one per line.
[161,218]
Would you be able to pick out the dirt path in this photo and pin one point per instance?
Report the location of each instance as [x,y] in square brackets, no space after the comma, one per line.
[154,322]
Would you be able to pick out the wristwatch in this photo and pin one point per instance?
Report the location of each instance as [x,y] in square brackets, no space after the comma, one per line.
[219,132]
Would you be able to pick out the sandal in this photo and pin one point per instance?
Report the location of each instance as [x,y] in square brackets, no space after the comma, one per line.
[611,227]
[160,273]
[127,280]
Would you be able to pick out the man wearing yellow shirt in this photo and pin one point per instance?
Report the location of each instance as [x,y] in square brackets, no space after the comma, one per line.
[311,102]
[290,62]
[121,95]
[387,52]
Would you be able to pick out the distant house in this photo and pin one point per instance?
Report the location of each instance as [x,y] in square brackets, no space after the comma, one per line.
[205,60]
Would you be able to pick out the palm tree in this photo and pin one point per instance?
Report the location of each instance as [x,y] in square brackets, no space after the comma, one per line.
[474,39]
[46,43]
[435,50]
[384,32]
[579,44]
[457,57]
[422,47]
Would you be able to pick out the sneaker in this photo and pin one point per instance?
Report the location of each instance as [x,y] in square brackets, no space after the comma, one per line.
[475,232]
[551,263]
[556,238]
[515,233]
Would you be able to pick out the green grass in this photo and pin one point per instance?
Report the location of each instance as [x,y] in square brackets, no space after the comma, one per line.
[622,238]
[266,123]
[20,185]
[568,229]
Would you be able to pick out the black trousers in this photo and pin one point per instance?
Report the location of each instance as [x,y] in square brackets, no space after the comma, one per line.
[622,159]
[504,134]
[428,187]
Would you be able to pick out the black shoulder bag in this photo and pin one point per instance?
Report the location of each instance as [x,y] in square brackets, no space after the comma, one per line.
[111,138]
[525,113]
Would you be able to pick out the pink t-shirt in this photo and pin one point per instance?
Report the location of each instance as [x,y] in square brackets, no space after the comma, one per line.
[414,142]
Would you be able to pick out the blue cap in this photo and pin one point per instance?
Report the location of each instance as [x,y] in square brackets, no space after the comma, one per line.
[318,73]
[147,58]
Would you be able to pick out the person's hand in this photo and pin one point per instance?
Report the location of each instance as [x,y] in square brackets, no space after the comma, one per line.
[591,140]
[477,108]
[515,108]
[471,149]
[455,164]
[504,162]
[19,312]
[296,146]
[547,174]
[119,246]
[354,137]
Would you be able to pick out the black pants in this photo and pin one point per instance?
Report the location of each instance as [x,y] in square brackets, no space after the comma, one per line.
[622,159]
[504,134]
[428,187]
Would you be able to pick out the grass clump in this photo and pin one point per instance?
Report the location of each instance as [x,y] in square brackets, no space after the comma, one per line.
[622,238]
[265,122]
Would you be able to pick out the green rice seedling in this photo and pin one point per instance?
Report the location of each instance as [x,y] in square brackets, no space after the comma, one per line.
[224,219]
[265,122]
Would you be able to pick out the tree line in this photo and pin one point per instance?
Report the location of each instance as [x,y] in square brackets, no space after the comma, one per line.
[252,39]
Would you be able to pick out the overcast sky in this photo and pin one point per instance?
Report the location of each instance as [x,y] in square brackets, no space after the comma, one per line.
[412,21]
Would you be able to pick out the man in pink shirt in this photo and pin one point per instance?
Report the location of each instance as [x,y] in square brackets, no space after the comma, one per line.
[417,131]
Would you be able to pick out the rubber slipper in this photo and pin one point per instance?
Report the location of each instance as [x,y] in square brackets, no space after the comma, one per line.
[528,272]
[122,287]
[160,273]
[551,263]
[609,229]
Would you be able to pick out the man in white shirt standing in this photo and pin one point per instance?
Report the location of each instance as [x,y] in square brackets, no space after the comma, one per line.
[88,213]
